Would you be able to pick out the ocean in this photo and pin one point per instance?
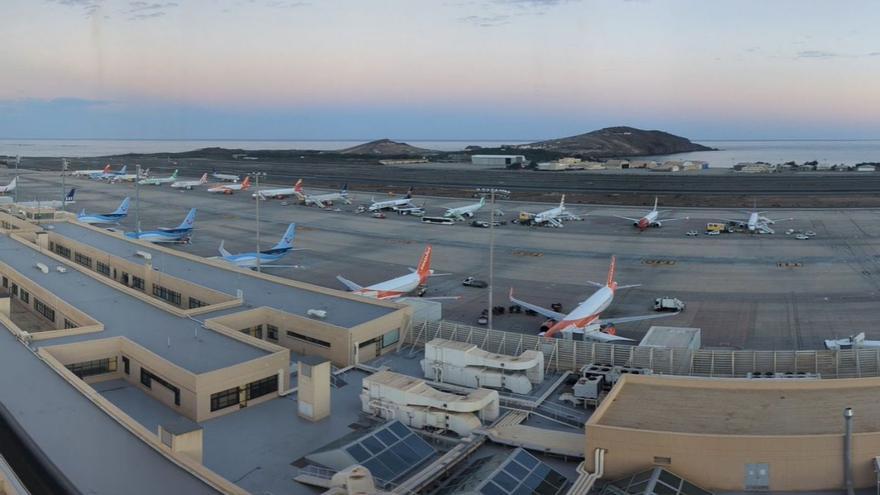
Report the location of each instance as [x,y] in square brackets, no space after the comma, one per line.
[730,152]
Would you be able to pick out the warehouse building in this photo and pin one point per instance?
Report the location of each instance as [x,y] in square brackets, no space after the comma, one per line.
[499,160]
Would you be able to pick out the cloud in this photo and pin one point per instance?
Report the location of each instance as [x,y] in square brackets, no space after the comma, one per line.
[140,10]
[486,20]
[89,7]
[817,54]
[282,4]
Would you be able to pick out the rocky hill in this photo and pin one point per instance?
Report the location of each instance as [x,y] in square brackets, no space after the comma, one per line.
[618,141]
[385,147]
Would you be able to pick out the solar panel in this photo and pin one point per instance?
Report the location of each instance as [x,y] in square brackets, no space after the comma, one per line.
[523,474]
[390,451]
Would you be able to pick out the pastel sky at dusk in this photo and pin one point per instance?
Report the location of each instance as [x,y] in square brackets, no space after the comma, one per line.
[455,69]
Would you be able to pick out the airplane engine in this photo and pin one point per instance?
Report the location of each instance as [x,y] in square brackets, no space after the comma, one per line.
[657,224]
[635,224]
[469,214]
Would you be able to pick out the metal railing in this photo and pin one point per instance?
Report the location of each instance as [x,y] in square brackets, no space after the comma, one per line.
[562,355]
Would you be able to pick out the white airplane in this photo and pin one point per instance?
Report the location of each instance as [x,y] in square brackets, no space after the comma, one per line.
[224,177]
[652,219]
[106,218]
[158,181]
[584,319]
[463,212]
[231,188]
[757,223]
[279,193]
[189,184]
[89,173]
[321,200]
[396,287]
[52,203]
[552,217]
[108,174]
[129,177]
[8,188]
[393,204]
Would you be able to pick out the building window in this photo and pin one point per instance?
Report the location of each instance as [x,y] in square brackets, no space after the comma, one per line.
[224,399]
[258,332]
[63,251]
[5,282]
[44,310]
[262,387]
[103,268]
[195,303]
[69,324]
[25,296]
[308,339]
[137,282]
[148,378]
[82,260]
[95,367]
[391,338]
[126,365]
[14,290]
[166,294]
[272,332]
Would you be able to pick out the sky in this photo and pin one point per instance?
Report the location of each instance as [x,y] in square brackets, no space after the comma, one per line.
[438,69]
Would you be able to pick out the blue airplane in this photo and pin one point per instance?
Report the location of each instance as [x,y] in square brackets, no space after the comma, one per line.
[266,256]
[106,218]
[180,234]
[108,174]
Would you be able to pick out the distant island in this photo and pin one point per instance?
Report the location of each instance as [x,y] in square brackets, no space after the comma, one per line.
[618,141]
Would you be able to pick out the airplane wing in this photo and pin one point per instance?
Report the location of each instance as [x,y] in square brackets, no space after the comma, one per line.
[672,219]
[318,203]
[774,220]
[626,218]
[604,337]
[537,309]
[629,319]
[348,283]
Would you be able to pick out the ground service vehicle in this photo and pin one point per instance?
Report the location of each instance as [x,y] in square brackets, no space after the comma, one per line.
[472,282]
[438,220]
[668,304]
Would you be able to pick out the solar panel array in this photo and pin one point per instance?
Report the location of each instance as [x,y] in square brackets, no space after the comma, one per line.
[390,452]
[523,474]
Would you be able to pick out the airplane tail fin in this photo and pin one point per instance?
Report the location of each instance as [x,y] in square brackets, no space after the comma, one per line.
[189,221]
[107,168]
[409,193]
[344,190]
[287,240]
[424,267]
[246,183]
[82,213]
[204,178]
[655,203]
[123,207]
[174,174]
[298,187]
[611,283]
[223,251]
[562,202]
[12,183]
[70,195]
[123,170]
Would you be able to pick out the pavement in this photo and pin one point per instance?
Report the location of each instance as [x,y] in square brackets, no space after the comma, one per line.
[744,291]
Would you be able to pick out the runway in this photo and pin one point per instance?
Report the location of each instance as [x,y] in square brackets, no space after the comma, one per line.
[744,291]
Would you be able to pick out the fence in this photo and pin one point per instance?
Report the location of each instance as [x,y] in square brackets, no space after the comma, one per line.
[570,355]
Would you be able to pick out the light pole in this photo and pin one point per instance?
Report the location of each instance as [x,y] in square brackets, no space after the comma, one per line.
[256,176]
[491,253]
[15,191]
[137,197]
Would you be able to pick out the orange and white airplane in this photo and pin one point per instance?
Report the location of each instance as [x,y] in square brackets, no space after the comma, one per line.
[584,319]
[396,287]
[231,188]
[651,219]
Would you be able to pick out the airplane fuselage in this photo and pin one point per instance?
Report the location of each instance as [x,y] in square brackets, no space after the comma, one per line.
[393,288]
[550,214]
[159,236]
[100,219]
[391,203]
[586,312]
[249,260]
[273,193]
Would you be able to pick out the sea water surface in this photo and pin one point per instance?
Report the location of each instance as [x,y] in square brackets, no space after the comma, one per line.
[730,152]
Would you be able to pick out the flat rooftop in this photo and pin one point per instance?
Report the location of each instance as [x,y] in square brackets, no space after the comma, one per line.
[341,311]
[178,340]
[709,406]
[95,452]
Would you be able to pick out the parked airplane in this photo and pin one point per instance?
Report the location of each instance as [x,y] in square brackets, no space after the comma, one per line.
[129,177]
[8,188]
[393,204]
[279,193]
[179,234]
[552,217]
[584,319]
[158,181]
[231,188]
[89,173]
[266,256]
[51,203]
[107,173]
[463,212]
[189,184]
[396,287]
[652,219]
[224,177]
[321,200]
[757,223]
[106,218]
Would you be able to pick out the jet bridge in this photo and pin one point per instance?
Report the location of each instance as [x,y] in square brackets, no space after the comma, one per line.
[461,363]
[395,396]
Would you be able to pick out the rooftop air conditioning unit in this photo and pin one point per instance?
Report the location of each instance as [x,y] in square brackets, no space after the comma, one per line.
[60,269]
[143,254]
[43,268]
[317,313]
